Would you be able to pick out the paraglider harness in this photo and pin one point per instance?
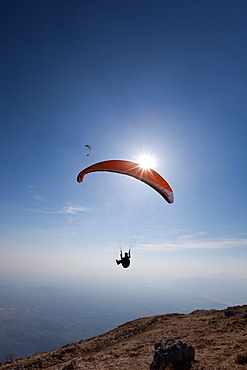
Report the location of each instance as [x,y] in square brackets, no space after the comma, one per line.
[125,261]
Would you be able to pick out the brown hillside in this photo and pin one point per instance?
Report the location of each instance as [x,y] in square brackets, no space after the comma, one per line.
[219,339]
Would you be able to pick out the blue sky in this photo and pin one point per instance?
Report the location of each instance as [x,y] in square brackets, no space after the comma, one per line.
[164,78]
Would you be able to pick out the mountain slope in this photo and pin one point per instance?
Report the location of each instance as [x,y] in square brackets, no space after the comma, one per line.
[219,339]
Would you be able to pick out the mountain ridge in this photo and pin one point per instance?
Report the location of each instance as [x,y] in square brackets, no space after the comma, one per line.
[218,336]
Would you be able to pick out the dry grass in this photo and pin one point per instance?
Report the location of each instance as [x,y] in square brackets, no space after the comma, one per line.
[220,343]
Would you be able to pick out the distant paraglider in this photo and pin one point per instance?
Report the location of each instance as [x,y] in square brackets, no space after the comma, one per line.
[89,148]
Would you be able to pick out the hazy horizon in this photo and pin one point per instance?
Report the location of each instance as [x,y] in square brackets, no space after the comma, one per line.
[43,318]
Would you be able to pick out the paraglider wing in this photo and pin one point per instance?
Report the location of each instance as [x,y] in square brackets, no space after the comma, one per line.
[148,176]
[89,148]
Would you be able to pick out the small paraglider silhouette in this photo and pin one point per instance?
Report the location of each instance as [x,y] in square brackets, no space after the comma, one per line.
[125,260]
[89,148]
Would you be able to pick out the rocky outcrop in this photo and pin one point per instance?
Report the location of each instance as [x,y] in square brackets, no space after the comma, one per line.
[175,354]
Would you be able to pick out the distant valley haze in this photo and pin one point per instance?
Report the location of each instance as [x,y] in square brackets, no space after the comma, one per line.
[43,318]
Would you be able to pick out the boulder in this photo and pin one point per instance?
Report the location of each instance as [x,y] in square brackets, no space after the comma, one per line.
[173,354]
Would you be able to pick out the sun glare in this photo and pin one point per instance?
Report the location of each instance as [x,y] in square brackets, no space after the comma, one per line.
[146,161]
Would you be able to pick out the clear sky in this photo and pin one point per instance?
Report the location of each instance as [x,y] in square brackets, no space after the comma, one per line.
[165,78]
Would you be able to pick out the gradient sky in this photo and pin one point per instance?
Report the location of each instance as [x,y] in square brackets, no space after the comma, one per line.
[130,77]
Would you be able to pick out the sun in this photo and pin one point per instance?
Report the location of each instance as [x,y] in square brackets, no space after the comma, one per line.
[146,161]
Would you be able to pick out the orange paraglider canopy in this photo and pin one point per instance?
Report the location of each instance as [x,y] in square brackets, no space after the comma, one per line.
[148,176]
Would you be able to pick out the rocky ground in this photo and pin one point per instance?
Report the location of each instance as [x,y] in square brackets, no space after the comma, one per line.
[218,337]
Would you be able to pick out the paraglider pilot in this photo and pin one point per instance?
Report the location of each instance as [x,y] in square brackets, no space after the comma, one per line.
[125,261]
